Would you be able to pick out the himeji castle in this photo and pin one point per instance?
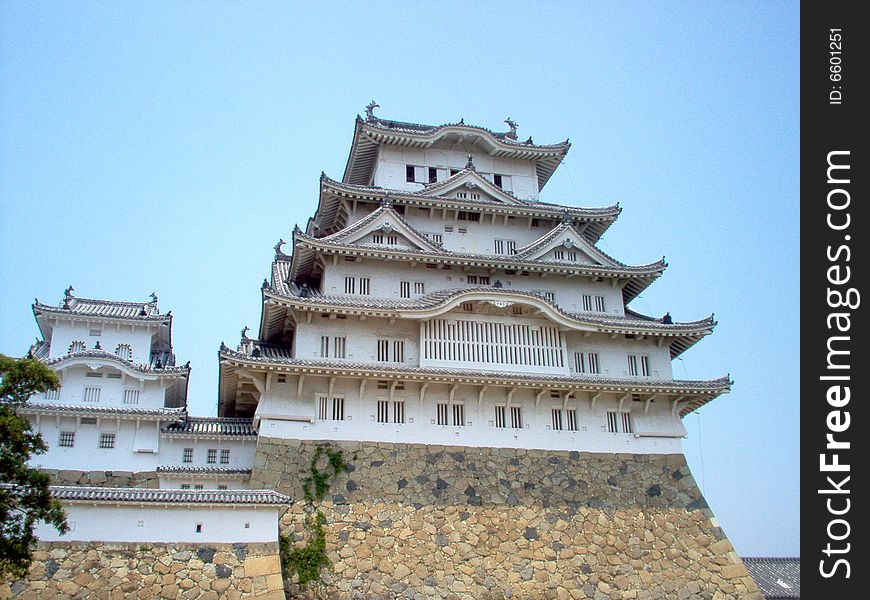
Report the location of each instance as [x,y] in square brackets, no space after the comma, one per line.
[511,426]
[434,298]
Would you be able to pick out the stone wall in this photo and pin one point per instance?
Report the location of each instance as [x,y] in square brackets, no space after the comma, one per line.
[415,521]
[119,572]
[140,479]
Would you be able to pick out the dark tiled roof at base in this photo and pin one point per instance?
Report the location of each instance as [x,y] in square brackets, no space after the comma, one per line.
[185,470]
[777,577]
[167,496]
[234,427]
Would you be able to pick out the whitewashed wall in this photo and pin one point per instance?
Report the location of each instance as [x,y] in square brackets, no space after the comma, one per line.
[86,455]
[361,421]
[138,336]
[75,378]
[390,168]
[166,523]
[385,278]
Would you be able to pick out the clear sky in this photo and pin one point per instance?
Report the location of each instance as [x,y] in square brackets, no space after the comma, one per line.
[166,146]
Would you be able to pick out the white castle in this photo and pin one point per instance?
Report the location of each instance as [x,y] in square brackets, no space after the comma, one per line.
[431,299]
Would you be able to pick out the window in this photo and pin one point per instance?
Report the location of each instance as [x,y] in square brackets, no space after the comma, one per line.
[551,296]
[593,303]
[383,411]
[124,352]
[612,422]
[458,415]
[349,285]
[392,240]
[76,346]
[436,238]
[557,419]
[404,289]
[627,425]
[442,414]
[225,456]
[198,528]
[67,439]
[364,285]
[107,440]
[198,486]
[131,396]
[468,216]
[187,455]
[638,366]
[409,174]
[433,174]
[516,417]
[52,394]
[338,409]
[419,287]
[586,363]
[398,351]
[468,306]
[185,486]
[223,486]
[378,238]
[571,417]
[340,344]
[91,394]
[559,255]
[508,247]
[211,456]
[95,331]
[572,256]
[324,346]
[399,411]
[500,417]
[323,408]
[478,279]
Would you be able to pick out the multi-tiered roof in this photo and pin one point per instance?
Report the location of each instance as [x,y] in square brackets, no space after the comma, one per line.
[332,235]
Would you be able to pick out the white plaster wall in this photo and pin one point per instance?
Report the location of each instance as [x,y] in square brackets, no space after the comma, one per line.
[390,168]
[385,278]
[360,419]
[613,354]
[166,523]
[74,380]
[86,455]
[139,338]
[209,482]
[362,336]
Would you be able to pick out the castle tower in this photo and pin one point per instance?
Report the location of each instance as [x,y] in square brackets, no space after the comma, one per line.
[515,426]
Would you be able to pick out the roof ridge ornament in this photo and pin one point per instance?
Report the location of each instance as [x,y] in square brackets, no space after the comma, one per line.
[67,296]
[370,111]
[469,166]
[245,332]
[153,298]
[512,134]
[386,202]
[281,242]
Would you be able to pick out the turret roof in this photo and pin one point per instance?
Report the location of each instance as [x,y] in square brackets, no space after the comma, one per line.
[167,496]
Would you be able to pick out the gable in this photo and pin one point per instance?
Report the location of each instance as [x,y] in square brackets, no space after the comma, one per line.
[469,185]
[566,245]
[384,227]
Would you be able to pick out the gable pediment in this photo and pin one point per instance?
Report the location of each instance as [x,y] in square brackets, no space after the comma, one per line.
[565,244]
[469,185]
[384,227]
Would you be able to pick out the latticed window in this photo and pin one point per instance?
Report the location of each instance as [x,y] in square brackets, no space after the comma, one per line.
[442,414]
[587,362]
[399,411]
[383,410]
[404,289]
[349,285]
[364,285]
[458,415]
[131,396]
[516,417]
[638,366]
[627,424]
[338,409]
[77,346]
[419,287]
[225,456]
[612,422]
[107,440]
[91,394]
[557,419]
[340,344]
[324,346]
[593,303]
[67,439]
[378,238]
[124,352]
[500,420]
[52,394]
[571,418]
[211,456]
[187,455]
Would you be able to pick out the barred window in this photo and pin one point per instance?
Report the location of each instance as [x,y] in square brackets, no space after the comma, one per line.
[340,343]
[323,408]
[404,289]
[364,285]
[124,352]
[500,417]
[107,440]
[593,303]
[378,238]
[571,417]
[225,456]
[349,285]
[52,394]
[557,419]
[612,423]
[338,409]
[131,396]
[187,455]
[627,425]
[516,417]
[586,362]
[67,439]
[77,346]
[419,287]
[91,394]
[638,365]
[383,410]
[211,456]
[324,346]
[458,415]
[399,411]
[442,414]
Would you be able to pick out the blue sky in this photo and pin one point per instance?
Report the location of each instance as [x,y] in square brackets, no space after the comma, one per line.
[167,146]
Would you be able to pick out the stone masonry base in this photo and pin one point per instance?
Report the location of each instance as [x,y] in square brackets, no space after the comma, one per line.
[420,522]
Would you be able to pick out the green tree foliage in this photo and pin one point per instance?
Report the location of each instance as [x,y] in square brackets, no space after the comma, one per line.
[24,495]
